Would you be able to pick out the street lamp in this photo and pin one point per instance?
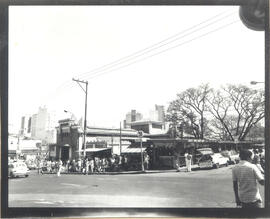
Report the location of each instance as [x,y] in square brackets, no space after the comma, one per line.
[140,135]
[256,82]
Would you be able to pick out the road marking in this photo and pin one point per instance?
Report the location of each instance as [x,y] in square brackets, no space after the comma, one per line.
[44,202]
[70,184]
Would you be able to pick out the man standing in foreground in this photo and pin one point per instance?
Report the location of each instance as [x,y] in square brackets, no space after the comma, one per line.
[245,182]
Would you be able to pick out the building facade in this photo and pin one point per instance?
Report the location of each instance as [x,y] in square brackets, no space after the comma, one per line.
[69,144]
[149,127]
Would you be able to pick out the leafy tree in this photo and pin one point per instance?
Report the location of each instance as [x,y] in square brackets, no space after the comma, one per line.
[188,111]
[236,110]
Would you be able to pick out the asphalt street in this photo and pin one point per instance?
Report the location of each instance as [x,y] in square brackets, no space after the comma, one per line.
[201,188]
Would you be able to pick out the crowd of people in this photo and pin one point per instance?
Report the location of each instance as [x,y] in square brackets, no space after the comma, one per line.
[88,165]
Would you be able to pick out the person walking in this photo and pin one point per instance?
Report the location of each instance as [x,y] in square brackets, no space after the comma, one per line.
[59,167]
[246,177]
[92,165]
[146,161]
[257,160]
[188,159]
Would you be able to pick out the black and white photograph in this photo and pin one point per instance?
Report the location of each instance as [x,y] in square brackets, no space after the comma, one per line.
[136,106]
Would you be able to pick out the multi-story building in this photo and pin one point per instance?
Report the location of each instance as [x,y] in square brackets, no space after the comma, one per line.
[43,126]
[132,117]
[158,114]
[25,129]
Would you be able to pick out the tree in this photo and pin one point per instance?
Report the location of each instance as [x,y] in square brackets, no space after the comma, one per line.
[188,111]
[236,110]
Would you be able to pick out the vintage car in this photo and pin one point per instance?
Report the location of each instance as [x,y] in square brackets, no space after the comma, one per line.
[214,160]
[232,155]
[17,169]
[201,152]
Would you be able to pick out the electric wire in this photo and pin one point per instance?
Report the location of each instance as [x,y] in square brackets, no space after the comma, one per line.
[100,71]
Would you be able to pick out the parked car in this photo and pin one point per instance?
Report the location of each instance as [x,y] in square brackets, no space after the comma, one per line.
[17,169]
[213,161]
[201,152]
[232,155]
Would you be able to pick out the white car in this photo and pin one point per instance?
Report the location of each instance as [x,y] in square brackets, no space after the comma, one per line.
[17,169]
[213,161]
[232,155]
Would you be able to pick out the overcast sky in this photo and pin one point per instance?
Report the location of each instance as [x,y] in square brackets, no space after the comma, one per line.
[49,45]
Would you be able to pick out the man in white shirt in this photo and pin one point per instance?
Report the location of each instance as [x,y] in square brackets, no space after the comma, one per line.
[245,182]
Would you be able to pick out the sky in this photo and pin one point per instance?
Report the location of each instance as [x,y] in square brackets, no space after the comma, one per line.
[166,49]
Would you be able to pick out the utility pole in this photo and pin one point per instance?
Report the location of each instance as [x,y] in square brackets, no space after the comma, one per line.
[140,135]
[120,139]
[85,111]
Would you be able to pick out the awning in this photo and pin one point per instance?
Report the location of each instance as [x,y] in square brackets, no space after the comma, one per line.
[96,149]
[132,150]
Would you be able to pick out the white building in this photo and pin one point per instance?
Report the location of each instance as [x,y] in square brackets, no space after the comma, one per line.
[158,114]
[43,126]
[132,117]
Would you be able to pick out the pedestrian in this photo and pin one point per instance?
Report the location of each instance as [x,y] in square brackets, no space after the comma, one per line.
[87,166]
[84,166]
[257,160]
[246,177]
[59,167]
[188,159]
[92,165]
[49,166]
[79,163]
[53,165]
[146,161]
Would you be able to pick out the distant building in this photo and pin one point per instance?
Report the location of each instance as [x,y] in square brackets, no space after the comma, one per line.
[158,114]
[43,126]
[25,129]
[132,117]
[19,146]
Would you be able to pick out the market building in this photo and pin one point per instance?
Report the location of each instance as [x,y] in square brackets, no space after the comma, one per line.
[99,141]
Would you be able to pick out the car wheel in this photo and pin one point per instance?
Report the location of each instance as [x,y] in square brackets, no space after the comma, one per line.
[226,164]
[217,165]
[26,175]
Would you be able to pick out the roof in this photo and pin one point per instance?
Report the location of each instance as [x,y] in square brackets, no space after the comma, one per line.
[140,122]
[96,149]
[132,150]
[110,132]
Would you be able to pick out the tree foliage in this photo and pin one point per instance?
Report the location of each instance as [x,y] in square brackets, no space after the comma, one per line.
[188,110]
[236,110]
[228,113]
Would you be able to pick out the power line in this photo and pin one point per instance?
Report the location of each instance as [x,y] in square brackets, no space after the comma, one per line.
[157,45]
[147,50]
[165,50]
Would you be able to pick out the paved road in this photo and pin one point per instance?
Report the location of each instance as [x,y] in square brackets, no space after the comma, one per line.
[203,188]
